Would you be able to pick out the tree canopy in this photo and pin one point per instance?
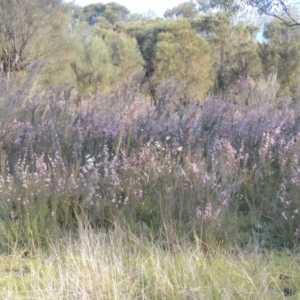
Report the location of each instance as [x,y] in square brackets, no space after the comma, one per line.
[186,10]
[100,13]
[278,9]
[173,50]
[103,61]
[280,52]
[233,47]
[98,46]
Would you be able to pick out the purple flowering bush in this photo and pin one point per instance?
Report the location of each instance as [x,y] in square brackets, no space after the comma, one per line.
[217,168]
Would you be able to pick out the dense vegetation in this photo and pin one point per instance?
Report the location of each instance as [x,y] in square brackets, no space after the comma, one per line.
[182,131]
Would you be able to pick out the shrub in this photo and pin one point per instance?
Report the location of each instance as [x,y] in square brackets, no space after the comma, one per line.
[216,169]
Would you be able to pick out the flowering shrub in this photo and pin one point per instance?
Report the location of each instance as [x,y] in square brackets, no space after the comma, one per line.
[180,167]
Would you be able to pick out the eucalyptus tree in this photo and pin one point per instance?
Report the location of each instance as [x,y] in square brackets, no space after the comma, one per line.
[30,30]
[278,9]
[234,49]
[104,59]
[188,10]
[99,13]
[172,49]
[182,55]
[280,51]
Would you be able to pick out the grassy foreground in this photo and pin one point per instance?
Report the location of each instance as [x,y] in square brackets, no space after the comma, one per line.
[120,265]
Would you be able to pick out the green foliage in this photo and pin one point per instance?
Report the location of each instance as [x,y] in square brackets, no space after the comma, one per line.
[231,7]
[278,9]
[234,50]
[33,211]
[104,14]
[186,10]
[29,31]
[172,50]
[57,64]
[103,61]
[281,52]
[183,56]
[146,33]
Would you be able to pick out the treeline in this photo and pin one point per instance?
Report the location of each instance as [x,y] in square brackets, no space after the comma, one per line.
[96,47]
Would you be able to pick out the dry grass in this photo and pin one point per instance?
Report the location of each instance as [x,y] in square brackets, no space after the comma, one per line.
[119,265]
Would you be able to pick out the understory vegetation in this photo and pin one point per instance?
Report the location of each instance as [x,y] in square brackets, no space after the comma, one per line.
[221,172]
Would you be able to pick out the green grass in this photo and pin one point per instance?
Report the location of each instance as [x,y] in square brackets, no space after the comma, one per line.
[120,265]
